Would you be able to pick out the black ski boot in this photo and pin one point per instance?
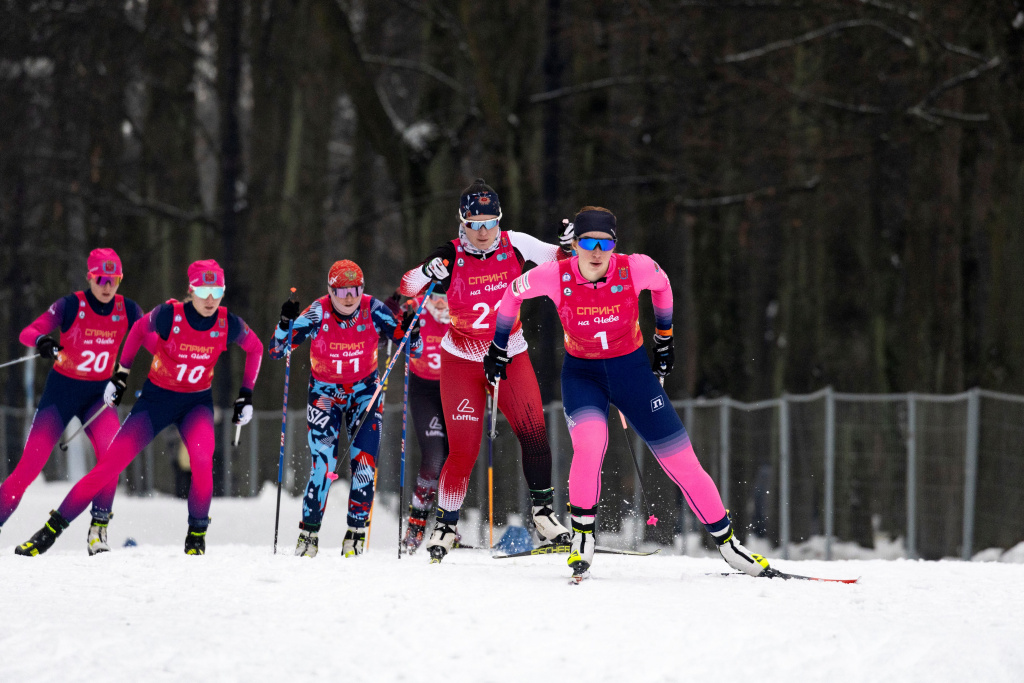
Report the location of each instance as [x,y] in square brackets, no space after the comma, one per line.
[195,541]
[43,539]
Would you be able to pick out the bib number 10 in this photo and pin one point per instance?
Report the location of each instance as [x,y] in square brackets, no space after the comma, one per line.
[194,375]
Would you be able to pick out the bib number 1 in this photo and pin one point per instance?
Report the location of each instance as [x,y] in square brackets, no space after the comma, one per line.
[603,336]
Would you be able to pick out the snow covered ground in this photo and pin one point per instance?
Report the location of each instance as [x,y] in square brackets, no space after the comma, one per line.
[243,614]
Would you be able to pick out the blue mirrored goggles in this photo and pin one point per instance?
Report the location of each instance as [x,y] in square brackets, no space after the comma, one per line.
[480,225]
[591,243]
[206,292]
[345,292]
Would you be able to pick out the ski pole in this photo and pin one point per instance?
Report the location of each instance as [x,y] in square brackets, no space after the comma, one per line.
[284,422]
[652,520]
[64,444]
[492,434]
[23,359]
[373,497]
[380,383]
[401,469]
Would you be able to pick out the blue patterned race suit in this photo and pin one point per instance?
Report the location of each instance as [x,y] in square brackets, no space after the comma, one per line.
[328,405]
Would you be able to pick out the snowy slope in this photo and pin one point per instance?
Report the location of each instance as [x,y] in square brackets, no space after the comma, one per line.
[241,613]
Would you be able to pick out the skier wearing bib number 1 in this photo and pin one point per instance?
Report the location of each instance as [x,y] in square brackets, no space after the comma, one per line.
[597,295]
[344,328]
[475,269]
[92,325]
[186,340]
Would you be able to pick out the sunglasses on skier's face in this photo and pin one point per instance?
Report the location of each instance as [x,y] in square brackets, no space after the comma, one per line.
[591,243]
[206,292]
[480,225]
[346,292]
[104,280]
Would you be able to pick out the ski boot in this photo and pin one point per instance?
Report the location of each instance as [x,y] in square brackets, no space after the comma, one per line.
[733,552]
[581,554]
[195,541]
[308,542]
[441,541]
[43,539]
[355,539]
[549,529]
[417,527]
[97,537]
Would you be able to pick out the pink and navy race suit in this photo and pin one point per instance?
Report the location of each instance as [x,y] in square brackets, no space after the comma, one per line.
[605,364]
[91,334]
[475,286]
[343,378]
[185,347]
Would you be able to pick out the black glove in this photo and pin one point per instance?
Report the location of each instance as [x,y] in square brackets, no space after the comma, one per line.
[47,347]
[289,312]
[243,407]
[494,364]
[114,391]
[566,236]
[664,355]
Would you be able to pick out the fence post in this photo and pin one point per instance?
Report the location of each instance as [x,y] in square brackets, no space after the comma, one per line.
[830,469]
[911,477]
[723,450]
[971,470]
[784,475]
[254,463]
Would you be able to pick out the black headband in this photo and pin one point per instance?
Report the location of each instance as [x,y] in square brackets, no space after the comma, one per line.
[594,221]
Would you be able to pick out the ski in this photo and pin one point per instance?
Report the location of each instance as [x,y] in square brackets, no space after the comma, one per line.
[563,548]
[772,573]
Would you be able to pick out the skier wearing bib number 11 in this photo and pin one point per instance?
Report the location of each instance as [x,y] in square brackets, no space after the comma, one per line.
[597,294]
[474,269]
[92,325]
[186,339]
[344,327]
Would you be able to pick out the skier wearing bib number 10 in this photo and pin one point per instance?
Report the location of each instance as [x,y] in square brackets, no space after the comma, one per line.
[474,269]
[344,328]
[92,325]
[186,339]
[597,295]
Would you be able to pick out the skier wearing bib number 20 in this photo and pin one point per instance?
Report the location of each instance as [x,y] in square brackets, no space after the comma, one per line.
[475,269]
[344,327]
[92,325]
[597,294]
[186,339]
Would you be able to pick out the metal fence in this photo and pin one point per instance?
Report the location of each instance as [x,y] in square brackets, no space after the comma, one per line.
[943,475]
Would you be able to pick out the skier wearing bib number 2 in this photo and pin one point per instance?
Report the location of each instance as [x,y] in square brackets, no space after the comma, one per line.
[344,328]
[92,325]
[186,340]
[475,269]
[597,294]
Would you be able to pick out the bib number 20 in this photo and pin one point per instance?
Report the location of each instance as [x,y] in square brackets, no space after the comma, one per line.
[94,362]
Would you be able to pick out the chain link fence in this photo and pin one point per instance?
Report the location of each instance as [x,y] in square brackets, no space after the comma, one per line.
[940,475]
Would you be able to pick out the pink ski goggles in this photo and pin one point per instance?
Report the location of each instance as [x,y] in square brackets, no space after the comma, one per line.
[206,292]
[345,292]
[104,280]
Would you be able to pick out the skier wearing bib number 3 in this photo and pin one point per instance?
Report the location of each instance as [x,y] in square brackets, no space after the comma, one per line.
[475,269]
[186,339]
[92,325]
[597,295]
[344,328]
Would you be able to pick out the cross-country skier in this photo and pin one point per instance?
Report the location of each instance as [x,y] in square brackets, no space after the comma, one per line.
[426,410]
[92,325]
[344,328]
[597,294]
[186,339]
[474,269]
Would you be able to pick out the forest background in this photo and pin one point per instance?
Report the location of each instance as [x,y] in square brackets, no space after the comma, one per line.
[835,188]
